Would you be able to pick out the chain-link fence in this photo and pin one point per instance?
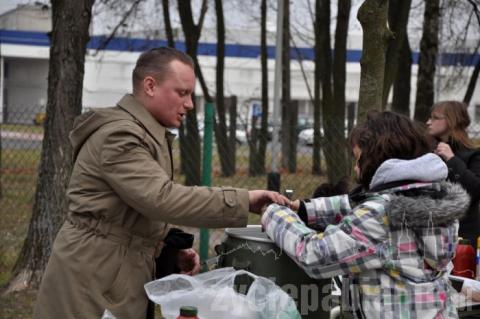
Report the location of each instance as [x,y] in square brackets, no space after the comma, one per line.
[21,142]
[20,146]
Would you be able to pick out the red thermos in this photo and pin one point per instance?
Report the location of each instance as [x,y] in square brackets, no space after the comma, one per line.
[464,261]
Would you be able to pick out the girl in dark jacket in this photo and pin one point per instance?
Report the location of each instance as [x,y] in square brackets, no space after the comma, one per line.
[447,124]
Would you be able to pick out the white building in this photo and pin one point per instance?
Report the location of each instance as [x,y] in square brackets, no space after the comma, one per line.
[24,53]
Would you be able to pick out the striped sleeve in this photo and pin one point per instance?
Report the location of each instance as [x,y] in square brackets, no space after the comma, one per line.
[352,246]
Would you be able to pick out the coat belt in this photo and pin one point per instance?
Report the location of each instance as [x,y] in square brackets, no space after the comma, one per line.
[113,233]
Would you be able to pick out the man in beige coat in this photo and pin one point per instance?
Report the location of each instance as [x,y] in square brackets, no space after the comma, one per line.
[122,197]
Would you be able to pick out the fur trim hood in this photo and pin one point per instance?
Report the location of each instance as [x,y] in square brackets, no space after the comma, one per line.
[438,204]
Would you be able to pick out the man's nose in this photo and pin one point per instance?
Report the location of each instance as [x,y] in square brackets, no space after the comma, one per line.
[188,103]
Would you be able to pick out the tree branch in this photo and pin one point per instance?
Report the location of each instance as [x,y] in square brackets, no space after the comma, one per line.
[300,62]
[475,9]
[203,13]
[104,44]
[168,24]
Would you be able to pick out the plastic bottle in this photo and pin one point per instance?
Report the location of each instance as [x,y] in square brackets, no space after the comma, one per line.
[188,312]
[465,260]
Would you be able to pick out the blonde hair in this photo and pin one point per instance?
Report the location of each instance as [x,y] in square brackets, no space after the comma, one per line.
[457,118]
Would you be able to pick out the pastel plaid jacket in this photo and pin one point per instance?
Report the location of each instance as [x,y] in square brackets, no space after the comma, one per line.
[393,249]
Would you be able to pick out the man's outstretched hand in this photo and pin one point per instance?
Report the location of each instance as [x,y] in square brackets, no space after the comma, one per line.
[258,199]
[188,261]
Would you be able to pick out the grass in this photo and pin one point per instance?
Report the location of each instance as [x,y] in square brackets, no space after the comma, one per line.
[23,128]
[18,182]
[18,179]
[18,305]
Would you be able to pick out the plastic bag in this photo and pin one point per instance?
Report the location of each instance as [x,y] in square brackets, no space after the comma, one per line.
[214,295]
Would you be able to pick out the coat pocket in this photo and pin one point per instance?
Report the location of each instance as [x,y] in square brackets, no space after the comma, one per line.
[230,197]
[132,274]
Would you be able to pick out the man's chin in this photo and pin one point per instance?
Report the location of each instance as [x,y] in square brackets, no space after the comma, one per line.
[174,125]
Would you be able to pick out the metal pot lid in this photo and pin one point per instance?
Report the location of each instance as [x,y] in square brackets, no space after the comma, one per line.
[251,232]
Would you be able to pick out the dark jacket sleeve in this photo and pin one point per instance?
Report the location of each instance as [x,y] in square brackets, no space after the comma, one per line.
[466,171]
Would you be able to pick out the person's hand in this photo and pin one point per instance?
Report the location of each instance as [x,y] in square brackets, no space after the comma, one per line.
[295,205]
[188,262]
[259,198]
[444,151]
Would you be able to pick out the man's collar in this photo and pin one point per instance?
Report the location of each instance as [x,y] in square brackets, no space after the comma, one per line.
[131,105]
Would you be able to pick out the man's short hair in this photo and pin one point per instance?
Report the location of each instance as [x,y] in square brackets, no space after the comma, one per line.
[155,62]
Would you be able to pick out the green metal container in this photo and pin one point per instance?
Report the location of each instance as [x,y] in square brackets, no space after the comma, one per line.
[250,249]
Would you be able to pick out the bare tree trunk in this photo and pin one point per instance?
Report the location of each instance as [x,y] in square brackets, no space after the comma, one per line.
[168,24]
[333,118]
[263,138]
[323,24]
[288,133]
[232,138]
[131,11]
[402,83]
[317,111]
[190,139]
[253,146]
[326,77]
[171,44]
[340,166]
[258,154]
[427,61]
[69,37]
[373,18]
[472,83]
[224,148]
[292,135]
[473,79]
[398,12]
[1,161]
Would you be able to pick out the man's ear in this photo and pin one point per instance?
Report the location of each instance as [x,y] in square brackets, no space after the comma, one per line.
[149,84]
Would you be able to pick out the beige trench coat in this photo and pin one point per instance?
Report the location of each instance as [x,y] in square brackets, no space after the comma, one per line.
[121,197]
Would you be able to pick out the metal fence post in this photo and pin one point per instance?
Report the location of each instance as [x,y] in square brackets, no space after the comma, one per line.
[206,170]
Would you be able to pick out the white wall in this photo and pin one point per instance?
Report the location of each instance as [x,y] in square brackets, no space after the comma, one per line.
[27,18]
[107,77]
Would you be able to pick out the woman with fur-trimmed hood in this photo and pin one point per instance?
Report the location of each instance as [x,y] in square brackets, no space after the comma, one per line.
[393,237]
